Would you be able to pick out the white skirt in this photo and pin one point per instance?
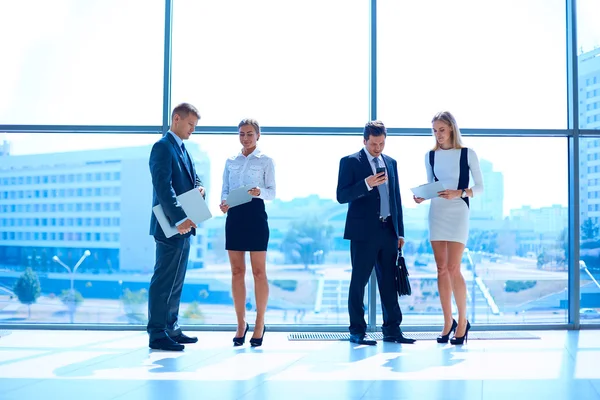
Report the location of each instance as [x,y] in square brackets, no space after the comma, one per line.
[449,220]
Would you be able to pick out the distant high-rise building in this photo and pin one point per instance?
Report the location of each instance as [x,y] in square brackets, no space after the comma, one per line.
[62,204]
[5,149]
[489,205]
[544,220]
[589,89]
[589,118]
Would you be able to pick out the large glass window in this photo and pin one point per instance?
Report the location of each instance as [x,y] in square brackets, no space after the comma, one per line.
[515,267]
[515,263]
[117,254]
[87,62]
[589,214]
[75,199]
[588,57]
[495,64]
[293,63]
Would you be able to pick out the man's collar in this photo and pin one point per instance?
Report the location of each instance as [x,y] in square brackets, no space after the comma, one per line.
[177,138]
[370,157]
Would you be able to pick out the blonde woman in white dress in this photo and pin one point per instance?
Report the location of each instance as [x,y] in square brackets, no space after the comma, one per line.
[452,164]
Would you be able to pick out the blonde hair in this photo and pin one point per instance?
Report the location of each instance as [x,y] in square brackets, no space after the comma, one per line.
[447,118]
[250,122]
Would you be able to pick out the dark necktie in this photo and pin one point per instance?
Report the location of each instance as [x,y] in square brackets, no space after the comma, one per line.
[384,198]
[186,159]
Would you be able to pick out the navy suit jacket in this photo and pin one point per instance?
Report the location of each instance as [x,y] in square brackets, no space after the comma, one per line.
[170,178]
[363,204]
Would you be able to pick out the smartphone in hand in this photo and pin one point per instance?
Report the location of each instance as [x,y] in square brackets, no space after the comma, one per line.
[379,170]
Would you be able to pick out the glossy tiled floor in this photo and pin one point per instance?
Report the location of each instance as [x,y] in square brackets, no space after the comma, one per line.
[118,365]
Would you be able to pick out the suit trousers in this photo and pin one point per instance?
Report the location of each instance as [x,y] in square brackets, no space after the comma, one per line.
[166,285]
[379,251]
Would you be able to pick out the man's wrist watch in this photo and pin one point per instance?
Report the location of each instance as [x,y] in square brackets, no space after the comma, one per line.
[464,193]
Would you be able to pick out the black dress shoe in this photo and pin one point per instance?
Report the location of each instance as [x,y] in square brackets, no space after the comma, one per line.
[446,337]
[255,342]
[167,344]
[359,338]
[184,339]
[239,340]
[400,338]
[463,339]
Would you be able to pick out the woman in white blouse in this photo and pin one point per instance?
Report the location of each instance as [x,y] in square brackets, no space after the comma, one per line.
[451,163]
[246,227]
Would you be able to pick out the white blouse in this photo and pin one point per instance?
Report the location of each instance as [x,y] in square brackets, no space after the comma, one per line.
[256,169]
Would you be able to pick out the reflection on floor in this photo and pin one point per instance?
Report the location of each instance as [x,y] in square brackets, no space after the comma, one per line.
[92,365]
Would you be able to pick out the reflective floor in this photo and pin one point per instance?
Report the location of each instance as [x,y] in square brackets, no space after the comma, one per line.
[93,365]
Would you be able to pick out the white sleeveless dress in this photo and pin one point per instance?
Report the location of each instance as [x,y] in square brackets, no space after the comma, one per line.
[449,219]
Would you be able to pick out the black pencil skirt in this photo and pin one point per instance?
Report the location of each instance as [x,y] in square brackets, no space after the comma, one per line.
[246,227]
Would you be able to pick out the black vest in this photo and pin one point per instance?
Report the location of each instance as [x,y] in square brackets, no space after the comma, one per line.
[463,177]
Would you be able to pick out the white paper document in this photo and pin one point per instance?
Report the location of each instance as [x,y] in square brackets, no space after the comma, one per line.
[428,190]
[194,206]
[239,196]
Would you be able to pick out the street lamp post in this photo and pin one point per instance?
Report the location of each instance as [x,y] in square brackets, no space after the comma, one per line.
[72,271]
[583,266]
[70,302]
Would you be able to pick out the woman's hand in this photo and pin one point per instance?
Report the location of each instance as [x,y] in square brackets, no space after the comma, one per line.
[449,194]
[254,191]
[223,206]
[418,200]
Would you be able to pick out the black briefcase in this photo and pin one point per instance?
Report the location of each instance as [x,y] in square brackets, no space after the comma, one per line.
[402,283]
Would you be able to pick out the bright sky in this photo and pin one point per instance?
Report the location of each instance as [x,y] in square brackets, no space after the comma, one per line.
[302,63]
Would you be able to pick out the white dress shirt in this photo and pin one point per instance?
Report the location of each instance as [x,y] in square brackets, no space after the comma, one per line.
[382,164]
[177,139]
[179,143]
[372,164]
[256,169]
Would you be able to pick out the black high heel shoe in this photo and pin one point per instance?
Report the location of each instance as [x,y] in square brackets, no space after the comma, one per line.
[446,337]
[239,341]
[462,339]
[258,341]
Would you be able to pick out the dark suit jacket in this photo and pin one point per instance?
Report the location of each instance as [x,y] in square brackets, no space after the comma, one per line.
[170,178]
[363,205]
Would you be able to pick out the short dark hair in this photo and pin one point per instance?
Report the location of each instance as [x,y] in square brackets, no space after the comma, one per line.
[185,109]
[252,122]
[374,128]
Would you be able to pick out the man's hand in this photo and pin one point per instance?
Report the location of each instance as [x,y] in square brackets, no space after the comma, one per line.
[400,243]
[377,179]
[202,191]
[186,226]
[223,206]
[254,191]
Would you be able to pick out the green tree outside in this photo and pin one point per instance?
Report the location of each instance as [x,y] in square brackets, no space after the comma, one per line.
[28,289]
[307,242]
[589,230]
[71,299]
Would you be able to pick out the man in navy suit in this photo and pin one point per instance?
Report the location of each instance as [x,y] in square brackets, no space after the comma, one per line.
[173,173]
[368,182]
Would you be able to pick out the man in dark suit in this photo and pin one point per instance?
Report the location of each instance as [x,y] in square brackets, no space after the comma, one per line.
[368,182]
[173,173]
